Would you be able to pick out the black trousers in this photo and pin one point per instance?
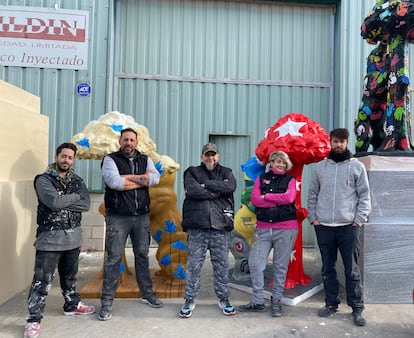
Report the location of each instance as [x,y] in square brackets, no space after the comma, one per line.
[346,240]
[44,271]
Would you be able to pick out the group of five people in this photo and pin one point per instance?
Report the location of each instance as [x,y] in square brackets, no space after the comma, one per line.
[338,205]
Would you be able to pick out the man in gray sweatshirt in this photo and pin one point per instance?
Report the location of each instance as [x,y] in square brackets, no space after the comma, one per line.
[338,205]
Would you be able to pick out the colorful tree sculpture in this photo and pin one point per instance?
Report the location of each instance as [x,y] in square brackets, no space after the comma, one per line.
[305,141]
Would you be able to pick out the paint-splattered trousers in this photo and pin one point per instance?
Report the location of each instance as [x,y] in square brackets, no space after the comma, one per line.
[198,242]
[44,270]
[118,228]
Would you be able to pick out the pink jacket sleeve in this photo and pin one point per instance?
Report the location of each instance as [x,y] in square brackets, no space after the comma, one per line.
[272,200]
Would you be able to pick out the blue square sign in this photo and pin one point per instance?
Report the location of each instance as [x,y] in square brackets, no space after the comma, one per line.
[83,89]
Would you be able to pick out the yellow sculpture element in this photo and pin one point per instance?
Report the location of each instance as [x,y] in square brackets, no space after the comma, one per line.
[244,223]
[101,137]
[241,240]
[163,212]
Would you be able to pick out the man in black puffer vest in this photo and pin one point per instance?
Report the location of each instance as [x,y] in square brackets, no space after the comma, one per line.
[127,174]
[62,196]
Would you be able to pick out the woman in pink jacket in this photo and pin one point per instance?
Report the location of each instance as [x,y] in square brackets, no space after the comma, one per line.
[273,197]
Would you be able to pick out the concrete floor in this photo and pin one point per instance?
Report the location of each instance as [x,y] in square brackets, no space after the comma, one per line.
[134,319]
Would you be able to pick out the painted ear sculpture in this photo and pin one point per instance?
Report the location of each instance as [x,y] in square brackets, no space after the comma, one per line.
[384,116]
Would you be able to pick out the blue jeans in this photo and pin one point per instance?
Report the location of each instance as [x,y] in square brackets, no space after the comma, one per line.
[198,242]
[346,240]
[118,228]
[44,271]
[264,240]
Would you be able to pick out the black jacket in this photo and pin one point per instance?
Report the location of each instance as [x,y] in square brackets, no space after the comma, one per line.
[61,200]
[211,206]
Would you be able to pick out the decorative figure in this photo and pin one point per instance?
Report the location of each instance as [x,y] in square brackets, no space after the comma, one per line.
[245,222]
[305,142]
[384,116]
[99,138]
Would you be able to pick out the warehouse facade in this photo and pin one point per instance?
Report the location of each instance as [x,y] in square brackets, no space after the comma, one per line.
[194,71]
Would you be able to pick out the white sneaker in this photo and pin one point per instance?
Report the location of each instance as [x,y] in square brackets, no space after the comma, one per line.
[32,330]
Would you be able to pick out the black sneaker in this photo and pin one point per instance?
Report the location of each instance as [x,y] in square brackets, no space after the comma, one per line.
[328,310]
[187,309]
[276,308]
[152,301]
[226,306]
[252,307]
[358,319]
[105,313]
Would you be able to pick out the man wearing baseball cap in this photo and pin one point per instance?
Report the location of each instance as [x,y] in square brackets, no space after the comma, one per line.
[209,147]
[208,211]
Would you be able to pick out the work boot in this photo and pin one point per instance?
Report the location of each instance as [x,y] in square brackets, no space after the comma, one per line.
[328,310]
[358,319]
[105,313]
[276,308]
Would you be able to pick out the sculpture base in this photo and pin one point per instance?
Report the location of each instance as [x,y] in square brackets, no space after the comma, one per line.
[387,254]
[290,296]
[388,262]
[312,267]
[128,288]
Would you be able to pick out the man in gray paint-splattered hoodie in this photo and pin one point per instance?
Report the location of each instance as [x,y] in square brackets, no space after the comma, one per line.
[62,197]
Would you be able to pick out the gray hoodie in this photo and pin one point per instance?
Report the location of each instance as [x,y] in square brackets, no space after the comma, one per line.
[339,193]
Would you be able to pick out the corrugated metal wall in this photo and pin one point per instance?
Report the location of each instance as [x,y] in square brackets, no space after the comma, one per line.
[191,68]
[352,52]
[69,113]
[216,61]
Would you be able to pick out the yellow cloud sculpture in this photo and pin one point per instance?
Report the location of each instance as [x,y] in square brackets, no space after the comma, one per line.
[100,137]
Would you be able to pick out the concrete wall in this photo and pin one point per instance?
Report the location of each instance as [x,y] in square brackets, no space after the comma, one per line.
[93,225]
[23,154]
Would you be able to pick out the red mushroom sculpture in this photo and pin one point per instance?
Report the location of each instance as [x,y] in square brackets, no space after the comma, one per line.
[305,141]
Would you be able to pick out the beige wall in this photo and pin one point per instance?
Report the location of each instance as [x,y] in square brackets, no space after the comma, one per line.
[23,154]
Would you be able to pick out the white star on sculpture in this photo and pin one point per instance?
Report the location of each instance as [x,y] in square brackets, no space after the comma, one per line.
[290,127]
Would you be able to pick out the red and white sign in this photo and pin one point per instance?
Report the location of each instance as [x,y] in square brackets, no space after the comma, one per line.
[43,38]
